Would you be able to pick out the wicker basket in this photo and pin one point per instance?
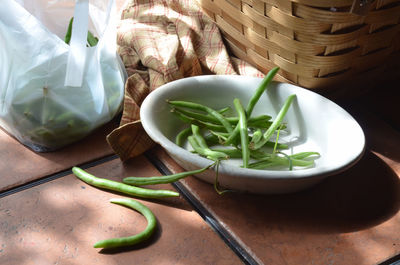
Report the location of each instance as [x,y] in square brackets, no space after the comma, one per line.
[323,45]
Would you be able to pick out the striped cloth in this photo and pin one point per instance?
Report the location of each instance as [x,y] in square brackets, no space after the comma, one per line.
[160,41]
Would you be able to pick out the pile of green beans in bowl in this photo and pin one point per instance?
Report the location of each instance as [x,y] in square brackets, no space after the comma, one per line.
[242,136]
[217,136]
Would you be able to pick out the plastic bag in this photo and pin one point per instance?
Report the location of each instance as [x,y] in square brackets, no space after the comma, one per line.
[52,93]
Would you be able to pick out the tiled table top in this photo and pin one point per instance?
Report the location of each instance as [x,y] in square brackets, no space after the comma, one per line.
[48,216]
[59,221]
[19,164]
[350,218]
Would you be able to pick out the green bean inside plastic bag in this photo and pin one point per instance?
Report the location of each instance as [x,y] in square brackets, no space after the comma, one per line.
[53,93]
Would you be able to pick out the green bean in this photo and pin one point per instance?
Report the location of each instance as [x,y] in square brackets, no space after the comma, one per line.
[121,187]
[289,159]
[197,115]
[258,120]
[189,120]
[259,154]
[139,181]
[264,164]
[274,150]
[203,145]
[233,136]
[91,39]
[67,38]
[253,101]
[275,160]
[182,135]
[135,239]
[278,145]
[223,110]
[212,138]
[213,155]
[199,138]
[276,123]
[197,106]
[264,83]
[220,135]
[303,155]
[244,136]
[259,124]
[257,135]
[231,152]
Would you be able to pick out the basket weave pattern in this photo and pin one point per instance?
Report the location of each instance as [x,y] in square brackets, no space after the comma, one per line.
[316,43]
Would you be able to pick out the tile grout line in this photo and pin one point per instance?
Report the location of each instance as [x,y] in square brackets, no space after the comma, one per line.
[205,214]
[54,176]
[392,261]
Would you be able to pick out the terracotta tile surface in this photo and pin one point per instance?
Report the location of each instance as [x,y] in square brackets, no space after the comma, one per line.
[19,164]
[350,218]
[58,222]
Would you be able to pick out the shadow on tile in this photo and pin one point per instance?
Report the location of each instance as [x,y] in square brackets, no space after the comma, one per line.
[363,196]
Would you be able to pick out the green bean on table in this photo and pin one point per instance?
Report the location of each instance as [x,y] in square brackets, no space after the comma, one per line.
[140,181]
[135,239]
[121,187]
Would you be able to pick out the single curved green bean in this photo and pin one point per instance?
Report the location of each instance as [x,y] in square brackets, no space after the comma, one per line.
[199,138]
[210,154]
[135,239]
[197,106]
[182,135]
[260,90]
[257,135]
[121,187]
[140,181]
[203,145]
[276,123]
[244,136]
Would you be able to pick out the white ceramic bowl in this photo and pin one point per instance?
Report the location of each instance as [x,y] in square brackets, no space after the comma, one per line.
[314,124]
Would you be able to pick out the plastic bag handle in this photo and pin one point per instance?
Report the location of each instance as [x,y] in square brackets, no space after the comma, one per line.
[77,52]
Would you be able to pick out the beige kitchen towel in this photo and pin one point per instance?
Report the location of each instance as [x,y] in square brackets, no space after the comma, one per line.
[159,42]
